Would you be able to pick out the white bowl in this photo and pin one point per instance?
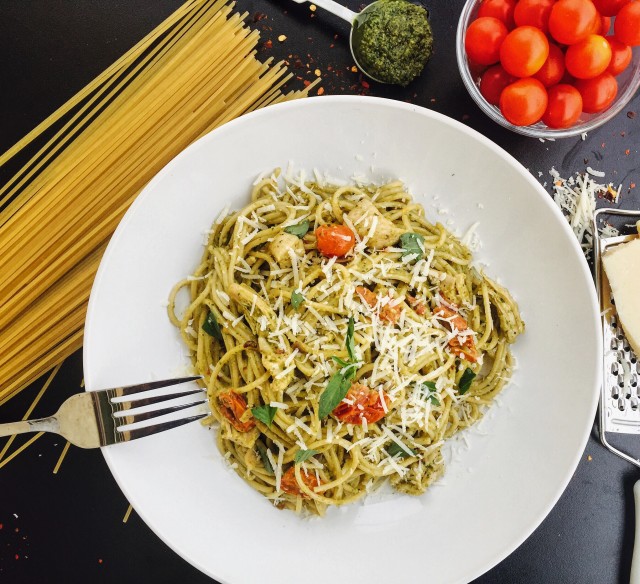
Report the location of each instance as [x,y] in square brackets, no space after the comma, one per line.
[494,493]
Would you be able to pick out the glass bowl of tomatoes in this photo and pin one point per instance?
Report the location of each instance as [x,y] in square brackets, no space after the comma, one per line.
[550,68]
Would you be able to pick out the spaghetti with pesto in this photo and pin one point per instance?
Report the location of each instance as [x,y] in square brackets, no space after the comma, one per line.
[342,338]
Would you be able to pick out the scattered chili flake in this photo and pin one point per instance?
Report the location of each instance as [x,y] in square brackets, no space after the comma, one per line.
[632,185]
[0,525]
[364,84]
[307,83]
[258,16]
[99,560]
[282,38]
[268,44]
[631,115]
[320,90]
[17,557]
[627,152]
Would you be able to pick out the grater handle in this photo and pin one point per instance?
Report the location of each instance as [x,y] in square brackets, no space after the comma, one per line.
[635,560]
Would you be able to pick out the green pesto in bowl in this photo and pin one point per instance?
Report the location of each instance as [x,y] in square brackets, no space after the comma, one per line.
[392,40]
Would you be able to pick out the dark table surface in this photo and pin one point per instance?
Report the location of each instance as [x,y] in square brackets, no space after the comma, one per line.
[68,527]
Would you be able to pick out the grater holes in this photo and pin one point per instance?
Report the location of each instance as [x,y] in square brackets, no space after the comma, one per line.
[614,368]
[621,404]
[634,403]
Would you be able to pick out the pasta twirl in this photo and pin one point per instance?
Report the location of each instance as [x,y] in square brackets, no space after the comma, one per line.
[342,338]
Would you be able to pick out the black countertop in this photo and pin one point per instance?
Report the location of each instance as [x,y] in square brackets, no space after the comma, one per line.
[68,527]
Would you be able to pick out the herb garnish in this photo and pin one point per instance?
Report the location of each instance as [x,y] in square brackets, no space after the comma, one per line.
[299,229]
[465,381]
[340,383]
[303,455]
[264,413]
[296,299]
[262,451]
[428,391]
[403,451]
[412,244]
[211,327]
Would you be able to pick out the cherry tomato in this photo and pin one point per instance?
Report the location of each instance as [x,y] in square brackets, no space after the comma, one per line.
[289,484]
[233,406]
[453,320]
[553,69]
[597,93]
[524,51]
[334,240]
[388,313]
[572,20]
[589,57]
[500,9]
[493,81]
[483,39]
[564,108]
[524,102]
[621,56]
[609,7]
[605,26]
[627,24]
[361,402]
[533,13]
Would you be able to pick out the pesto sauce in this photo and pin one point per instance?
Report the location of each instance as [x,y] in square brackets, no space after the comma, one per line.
[392,40]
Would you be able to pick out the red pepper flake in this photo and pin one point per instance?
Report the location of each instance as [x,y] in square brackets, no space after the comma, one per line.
[0,525]
[364,84]
[331,46]
[632,185]
[631,115]
[320,90]
[99,560]
[627,152]
[307,83]
[602,145]
[17,557]
[268,44]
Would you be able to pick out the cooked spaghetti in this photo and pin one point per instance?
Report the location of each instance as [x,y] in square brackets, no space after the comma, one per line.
[342,338]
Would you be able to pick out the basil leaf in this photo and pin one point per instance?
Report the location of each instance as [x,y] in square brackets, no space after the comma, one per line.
[412,243]
[299,229]
[303,455]
[335,391]
[262,451]
[296,299]
[351,347]
[211,327]
[465,381]
[428,390]
[396,450]
[264,413]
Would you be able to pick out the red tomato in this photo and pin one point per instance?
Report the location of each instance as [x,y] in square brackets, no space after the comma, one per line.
[597,93]
[553,69]
[564,108]
[533,13]
[388,313]
[572,20]
[609,7]
[364,403]
[524,51]
[589,57]
[524,102]
[334,240]
[621,56]
[605,26]
[500,9]
[289,484]
[483,39]
[627,24]
[453,320]
[233,407]
[493,81]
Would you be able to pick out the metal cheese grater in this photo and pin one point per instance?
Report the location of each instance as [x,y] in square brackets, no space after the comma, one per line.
[619,410]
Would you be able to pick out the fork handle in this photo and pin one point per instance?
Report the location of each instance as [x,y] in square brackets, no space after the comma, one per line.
[49,424]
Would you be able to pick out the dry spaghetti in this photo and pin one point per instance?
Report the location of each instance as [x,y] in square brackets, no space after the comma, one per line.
[342,338]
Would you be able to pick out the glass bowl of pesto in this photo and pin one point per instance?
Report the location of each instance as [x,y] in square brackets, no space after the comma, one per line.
[628,84]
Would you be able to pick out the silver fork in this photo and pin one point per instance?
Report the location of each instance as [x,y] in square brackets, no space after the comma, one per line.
[94,418]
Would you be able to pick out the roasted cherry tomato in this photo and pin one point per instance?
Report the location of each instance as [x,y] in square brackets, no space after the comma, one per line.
[483,39]
[627,24]
[289,484]
[609,7]
[234,407]
[493,81]
[621,56]
[334,240]
[553,69]
[571,21]
[389,313]
[361,402]
[533,13]
[589,57]
[452,319]
[500,9]
[418,305]
[564,108]
[597,93]
[524,51]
